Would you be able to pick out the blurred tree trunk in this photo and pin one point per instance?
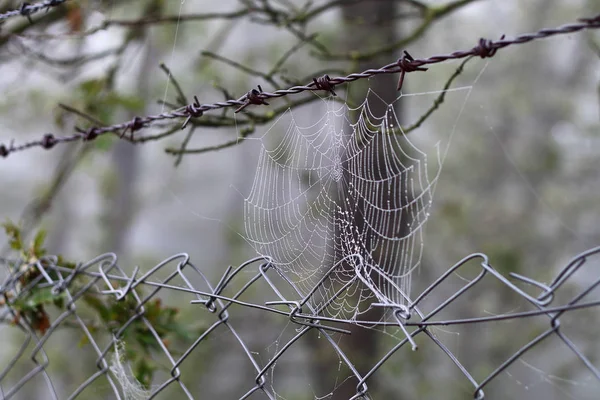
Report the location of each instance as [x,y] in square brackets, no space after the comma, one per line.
[121,187]
[368,25]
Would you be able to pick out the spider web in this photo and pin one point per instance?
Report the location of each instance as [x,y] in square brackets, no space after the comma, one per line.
[341,205]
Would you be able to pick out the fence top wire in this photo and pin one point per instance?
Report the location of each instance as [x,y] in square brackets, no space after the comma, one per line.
[27,9]
[47,273]
[406,64]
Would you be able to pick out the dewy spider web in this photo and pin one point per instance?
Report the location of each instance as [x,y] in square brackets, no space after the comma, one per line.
[350,192]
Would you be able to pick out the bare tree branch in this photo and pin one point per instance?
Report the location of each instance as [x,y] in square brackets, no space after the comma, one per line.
[407,64]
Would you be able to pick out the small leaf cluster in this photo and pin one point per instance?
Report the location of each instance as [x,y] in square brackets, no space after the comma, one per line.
[151,328]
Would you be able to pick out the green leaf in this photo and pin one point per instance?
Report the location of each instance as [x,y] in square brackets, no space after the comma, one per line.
[130,103]
[146,339]
[38,243]
[14,235]
[37,298]
[91,88]
[104,142]
[144,372]
[97,304]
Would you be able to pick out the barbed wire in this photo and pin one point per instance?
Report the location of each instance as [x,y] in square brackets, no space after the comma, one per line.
[485,48]
[27,9]
[72,283]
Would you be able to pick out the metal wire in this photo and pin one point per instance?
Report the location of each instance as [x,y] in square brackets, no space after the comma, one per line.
[104,277]
[27,9]
[406,64]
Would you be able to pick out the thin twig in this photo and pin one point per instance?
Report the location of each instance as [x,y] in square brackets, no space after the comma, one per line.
[82,114]
[181,97]
[439,100]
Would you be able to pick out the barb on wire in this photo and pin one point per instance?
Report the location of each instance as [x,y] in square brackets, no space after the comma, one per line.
[407,64]
[255,97]
[193,110]
[27,9]
[324,83]
[484,48]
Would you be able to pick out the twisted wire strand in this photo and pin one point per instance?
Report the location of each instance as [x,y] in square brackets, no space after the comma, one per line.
[27,9]
[406,64]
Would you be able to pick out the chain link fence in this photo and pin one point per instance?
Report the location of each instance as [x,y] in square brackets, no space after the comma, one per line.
[43,297]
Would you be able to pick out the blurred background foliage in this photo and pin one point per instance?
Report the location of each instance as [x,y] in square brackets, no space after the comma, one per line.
[520,182]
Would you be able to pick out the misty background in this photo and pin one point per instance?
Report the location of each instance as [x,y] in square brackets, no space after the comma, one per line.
[520,181]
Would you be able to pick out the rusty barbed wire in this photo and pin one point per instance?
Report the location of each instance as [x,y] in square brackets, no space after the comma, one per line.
[28,9]
[485,48]
[304,312]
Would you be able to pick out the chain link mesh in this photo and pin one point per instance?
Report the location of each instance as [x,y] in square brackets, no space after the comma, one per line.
[102,278]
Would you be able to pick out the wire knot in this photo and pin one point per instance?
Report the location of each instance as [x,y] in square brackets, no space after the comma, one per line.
[324,83]
[48,141]
[486,48]
[4,151]
[408,64]
[253,97]
[25,11]
[193,111]
[89,134]
[133,126]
